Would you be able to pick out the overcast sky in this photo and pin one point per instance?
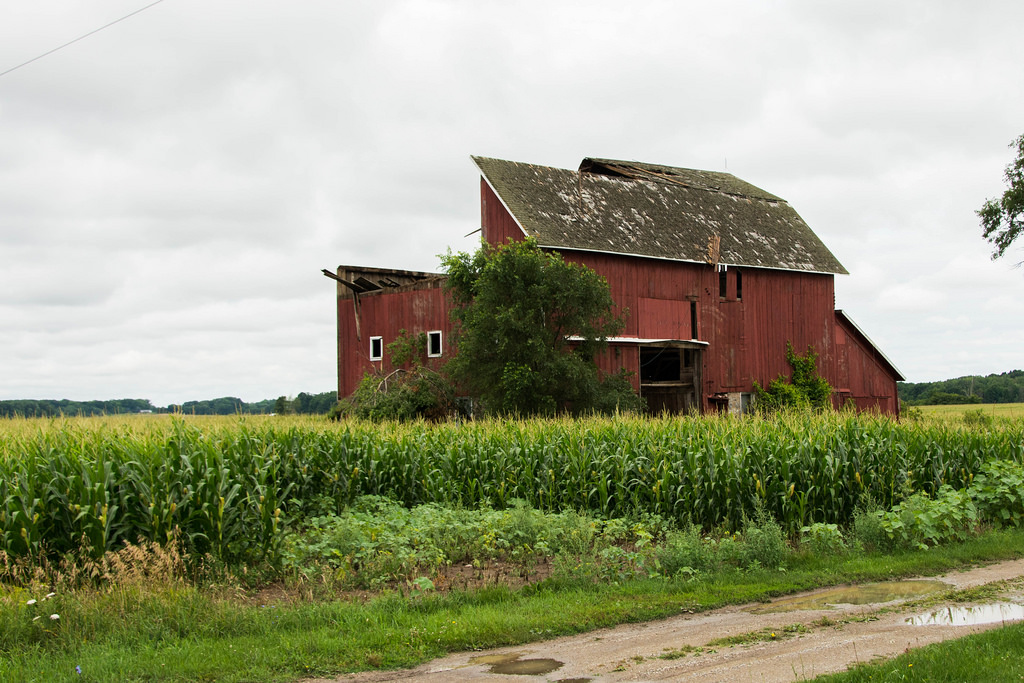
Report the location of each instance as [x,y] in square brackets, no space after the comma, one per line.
[171,186]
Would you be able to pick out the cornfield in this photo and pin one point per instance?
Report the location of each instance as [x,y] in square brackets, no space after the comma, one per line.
[231,487]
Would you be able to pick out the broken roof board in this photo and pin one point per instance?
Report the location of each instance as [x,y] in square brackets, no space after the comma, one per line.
[656,211]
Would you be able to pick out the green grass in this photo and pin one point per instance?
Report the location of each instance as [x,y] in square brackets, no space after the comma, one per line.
[993,657]
[179,633]
[768,633]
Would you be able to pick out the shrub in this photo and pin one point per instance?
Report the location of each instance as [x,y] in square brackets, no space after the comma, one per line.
[764,544]
[808,389]
[869,531]
[977,418]
[920,521]
[419,393]
[823,539]
[685,552]
[998,491]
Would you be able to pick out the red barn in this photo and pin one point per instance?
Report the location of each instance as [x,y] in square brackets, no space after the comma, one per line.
[715,276]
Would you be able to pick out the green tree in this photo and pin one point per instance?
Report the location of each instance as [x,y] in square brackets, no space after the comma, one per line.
[1003,219]
[282,405]
[528,325]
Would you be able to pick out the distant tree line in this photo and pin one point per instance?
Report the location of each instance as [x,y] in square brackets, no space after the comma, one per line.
[303,404]
[1006,387]
[55,408]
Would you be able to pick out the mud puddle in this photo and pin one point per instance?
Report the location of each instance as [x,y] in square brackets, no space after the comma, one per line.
[513,663]
[864,594]
[959,615]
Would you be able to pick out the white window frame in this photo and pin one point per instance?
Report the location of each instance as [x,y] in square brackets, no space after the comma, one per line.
[380,348]
[440,347]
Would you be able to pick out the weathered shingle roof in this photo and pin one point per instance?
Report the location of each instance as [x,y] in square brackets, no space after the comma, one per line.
[627,207]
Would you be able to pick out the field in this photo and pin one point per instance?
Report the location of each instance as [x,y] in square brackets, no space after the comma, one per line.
[229,487]
[163,534]
[1013,411]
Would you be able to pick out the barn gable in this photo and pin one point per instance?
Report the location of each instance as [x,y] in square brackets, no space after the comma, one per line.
[655,211]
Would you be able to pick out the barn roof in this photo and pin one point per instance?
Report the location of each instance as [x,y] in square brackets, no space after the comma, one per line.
[626,207]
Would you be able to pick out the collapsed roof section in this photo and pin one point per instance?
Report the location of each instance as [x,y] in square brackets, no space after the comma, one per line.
[638,209]
[363,280]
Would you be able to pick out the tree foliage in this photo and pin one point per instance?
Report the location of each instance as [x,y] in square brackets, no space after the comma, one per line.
[1002,219]
[1006,387]
[59,407]
[226,405]
[528,326]
[807,390]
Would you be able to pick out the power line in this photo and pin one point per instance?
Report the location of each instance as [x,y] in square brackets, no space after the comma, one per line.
[4,73]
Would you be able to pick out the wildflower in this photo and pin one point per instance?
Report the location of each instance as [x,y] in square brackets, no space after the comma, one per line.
[31,602]
[49,595]
[54,617]
[78,670]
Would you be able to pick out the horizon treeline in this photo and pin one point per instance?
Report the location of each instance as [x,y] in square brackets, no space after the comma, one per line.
[1006,387]
[302,404]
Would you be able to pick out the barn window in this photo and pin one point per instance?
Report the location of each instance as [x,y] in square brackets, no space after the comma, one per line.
[693,320]
[722,282]
[434,343]
[376,348]
[739,285]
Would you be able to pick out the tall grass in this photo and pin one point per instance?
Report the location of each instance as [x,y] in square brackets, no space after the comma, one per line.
[228,486]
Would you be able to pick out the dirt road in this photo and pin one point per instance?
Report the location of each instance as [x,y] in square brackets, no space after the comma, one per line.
[797,643]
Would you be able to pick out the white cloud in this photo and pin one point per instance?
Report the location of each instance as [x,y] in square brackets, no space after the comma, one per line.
[170,187]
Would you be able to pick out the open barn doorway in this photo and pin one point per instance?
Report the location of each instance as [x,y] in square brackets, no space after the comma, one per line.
[670,376]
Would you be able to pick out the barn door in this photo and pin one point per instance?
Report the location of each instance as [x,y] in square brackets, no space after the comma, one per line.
[670,377]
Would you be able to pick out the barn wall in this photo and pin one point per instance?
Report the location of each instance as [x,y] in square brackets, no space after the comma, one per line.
[621,356]
[422,308]
[746,338]
[862,375]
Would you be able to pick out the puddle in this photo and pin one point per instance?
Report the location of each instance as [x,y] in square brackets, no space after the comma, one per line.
[512,663]
[970,616]
[866,594]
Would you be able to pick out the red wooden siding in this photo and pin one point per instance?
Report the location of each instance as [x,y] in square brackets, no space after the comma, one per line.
[663,318]
[746,339]
[415,309]
[497,225]
[862,374]
[619,356]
